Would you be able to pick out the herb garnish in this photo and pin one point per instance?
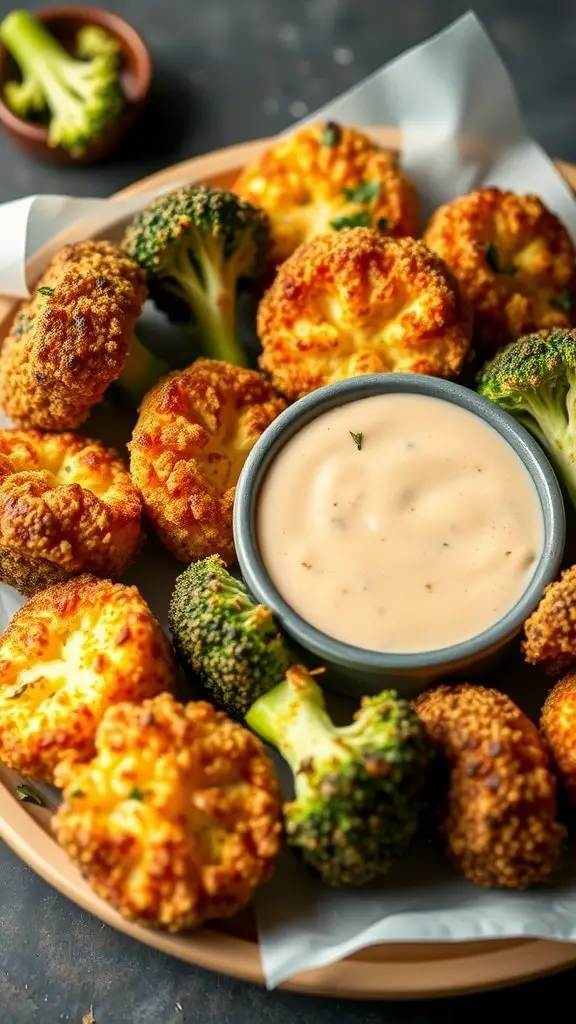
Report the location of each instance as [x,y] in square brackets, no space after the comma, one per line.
[77,793]
[355,220]
[357,438]
[365,192]
[383,224]
[46,291]
[493,261]
[563,302]
[28,795]
[136,794]
[331,134]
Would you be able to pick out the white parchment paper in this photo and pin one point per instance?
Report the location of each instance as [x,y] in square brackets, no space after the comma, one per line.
[461,127]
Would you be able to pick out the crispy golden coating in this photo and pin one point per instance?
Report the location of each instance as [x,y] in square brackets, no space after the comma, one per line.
[177,818]
[67,506]
[324,177]
[69,654]
[514,260]
[195,430]
[357,302]
[558,725]
[501,823]
[69,342]
[550,632]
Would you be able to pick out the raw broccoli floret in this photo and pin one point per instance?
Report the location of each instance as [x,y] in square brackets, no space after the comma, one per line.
[230,643]
[84,97]
[534,379]
[358,789]
[94,41]
[197,244]
[141,371]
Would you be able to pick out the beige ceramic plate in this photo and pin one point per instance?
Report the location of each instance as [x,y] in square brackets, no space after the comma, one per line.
[407,971]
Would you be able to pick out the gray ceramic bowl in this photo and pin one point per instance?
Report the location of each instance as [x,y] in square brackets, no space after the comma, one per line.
[354,670]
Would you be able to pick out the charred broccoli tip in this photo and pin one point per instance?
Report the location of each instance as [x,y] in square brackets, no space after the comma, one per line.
[231,643]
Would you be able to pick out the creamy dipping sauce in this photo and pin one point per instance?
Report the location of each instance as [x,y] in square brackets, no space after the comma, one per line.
[419,534]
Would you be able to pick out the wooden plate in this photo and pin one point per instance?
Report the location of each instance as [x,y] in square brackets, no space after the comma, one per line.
[389,971]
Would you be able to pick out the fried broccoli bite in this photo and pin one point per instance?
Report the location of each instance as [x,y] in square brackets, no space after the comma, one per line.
[500,823]
[196,245]
[176,820]
[534,379]
[230,643]
[358,302]
[67,506]
[72,339]
[550,632]
[358,788]
[84,97]
[70,653]
[195,430]
[514,260]
[558,726]
[326,177]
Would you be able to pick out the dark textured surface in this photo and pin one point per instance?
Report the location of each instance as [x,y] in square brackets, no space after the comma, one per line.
[229,70]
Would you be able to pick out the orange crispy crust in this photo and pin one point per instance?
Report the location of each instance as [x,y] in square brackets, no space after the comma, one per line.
[69,654]
[501,821]
[177,818]
[550,632]
[301,183]
[528,239]
[67,506]
[65,349]
[195,430]
[357,302]
[558,725]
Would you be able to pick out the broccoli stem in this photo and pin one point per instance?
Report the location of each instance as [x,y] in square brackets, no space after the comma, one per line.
[141,371]
[209,283]
[293,718]
[551,417]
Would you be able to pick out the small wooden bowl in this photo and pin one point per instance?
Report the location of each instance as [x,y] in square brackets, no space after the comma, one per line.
[64,20]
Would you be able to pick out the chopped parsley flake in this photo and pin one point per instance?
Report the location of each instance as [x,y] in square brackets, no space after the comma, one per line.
[28,795]
[366,192]
[46,291]
[357,438]
[493,261]
[137,794]
[355,220]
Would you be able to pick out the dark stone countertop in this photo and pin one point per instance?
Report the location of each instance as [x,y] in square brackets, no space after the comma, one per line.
[229,70]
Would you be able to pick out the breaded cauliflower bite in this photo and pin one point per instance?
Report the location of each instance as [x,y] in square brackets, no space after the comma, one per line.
[501,823]
[558,726]
[358,302]
[71,339]
[177,818]
[514,260]
[69,654]
[195,430]
[67,506]
[327,177]
[550,632]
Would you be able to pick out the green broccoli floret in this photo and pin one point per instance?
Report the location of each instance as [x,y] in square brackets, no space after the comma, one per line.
[141,371]
[232,644]
[197,244]
[84,97]
[358,789]
[534,379]
[94,41]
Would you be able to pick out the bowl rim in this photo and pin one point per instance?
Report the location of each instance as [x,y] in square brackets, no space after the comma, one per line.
[347,655]
[85,16]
